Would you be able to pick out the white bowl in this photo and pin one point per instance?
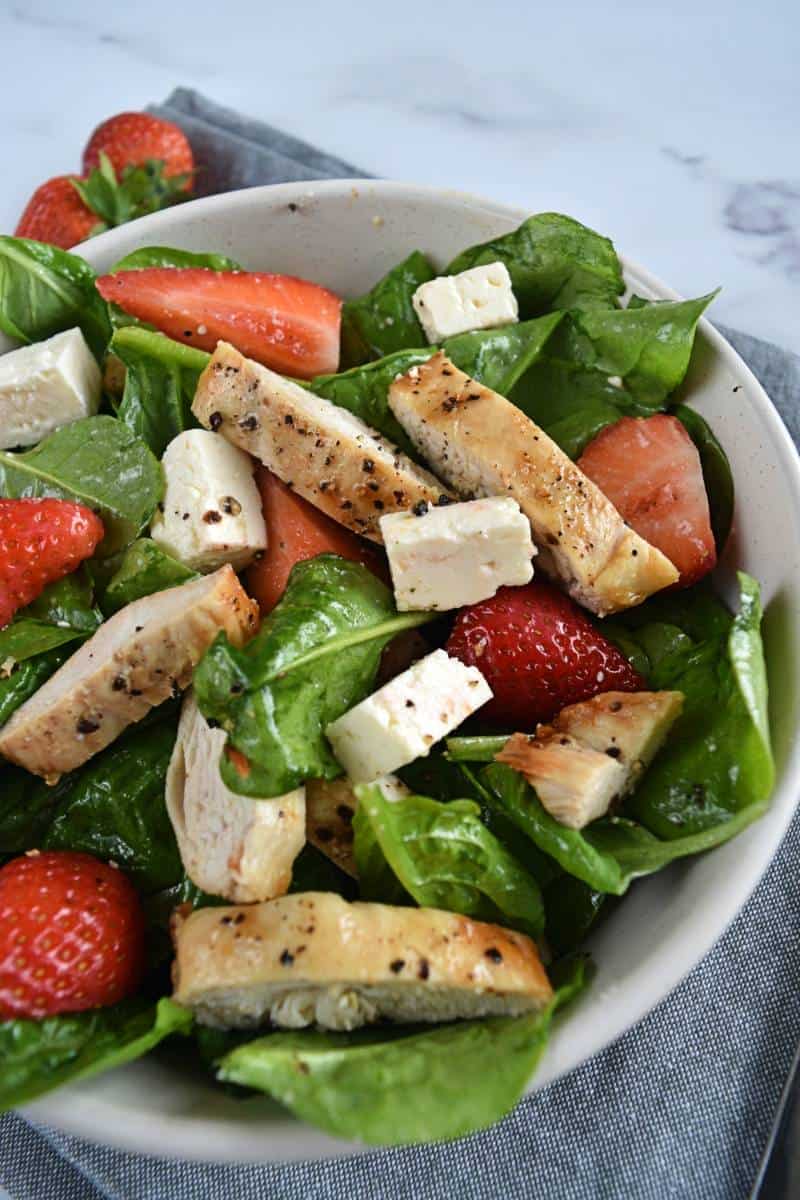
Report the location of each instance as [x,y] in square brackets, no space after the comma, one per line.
[345,235]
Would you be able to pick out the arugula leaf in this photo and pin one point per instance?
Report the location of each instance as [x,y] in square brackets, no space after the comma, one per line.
[315,657]
[98,462]
[717,474]
[44,290]
[495,357]
[168,256]
[160,383]
[143,569]
[113,807]
[554,263]
[384,320]
[393,1088]
[711,779]
[36,1056]
[445,857]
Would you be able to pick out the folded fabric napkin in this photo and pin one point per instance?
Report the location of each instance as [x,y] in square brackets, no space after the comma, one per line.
[680,1106]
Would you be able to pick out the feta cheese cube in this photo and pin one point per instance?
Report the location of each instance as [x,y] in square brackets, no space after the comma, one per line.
[457,555]
[480,298]
[400,722]
[211,513]
[45,386]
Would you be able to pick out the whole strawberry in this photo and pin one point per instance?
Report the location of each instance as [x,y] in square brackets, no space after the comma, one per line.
[57,214]
[538,652]
[71,935]
[41,541]
[135,139]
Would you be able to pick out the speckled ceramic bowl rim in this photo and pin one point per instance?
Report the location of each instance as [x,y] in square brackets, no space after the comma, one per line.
[90,1110]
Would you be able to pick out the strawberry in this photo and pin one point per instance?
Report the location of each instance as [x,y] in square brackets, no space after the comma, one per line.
[285,323]
[135,139]
[56,214]
[650,470]
[40,542]
[71,934]
[538,652]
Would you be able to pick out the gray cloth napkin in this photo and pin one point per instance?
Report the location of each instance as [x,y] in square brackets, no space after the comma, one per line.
[681,1106]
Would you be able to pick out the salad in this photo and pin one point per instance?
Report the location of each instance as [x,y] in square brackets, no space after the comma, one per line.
[356,659]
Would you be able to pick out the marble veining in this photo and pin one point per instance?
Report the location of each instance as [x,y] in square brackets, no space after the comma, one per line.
[671,128]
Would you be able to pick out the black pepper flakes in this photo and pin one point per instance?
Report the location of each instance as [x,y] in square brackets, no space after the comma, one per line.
[420,508]
[86,725]
[212,517]
[368,466]
[249,423]
[286,958]
[614,752]
[396,965]
[230,506]
[424,969]
[493,954]
[215,421]
[118,683]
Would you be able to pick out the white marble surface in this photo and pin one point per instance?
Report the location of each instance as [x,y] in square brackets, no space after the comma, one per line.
[673,128]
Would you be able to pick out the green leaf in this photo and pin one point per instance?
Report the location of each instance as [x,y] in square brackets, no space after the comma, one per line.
[37,1056]
[445,857]
[313,871]
[717,474]
[648,346]
[168,256]
[315,657]
[714,775]
[554,263]
[98,462]
[497,358]
[572,911]
[25,679]
[160,383]
[397,1087]
[143,569]
[44,290]
[113,807]
[141,188]
[476,749]
[384,320]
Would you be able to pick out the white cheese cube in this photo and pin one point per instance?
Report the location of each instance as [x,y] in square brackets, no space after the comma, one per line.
[456,555]
[400,722]
[211,512]
[45,386]
[480,298]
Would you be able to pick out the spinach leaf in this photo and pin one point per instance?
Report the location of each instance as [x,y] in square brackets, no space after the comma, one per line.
[98,462]
[113,807]
[711,779]
[160,382]
[572,911]
[143,569]
[36,1056]
[315,657]
[445,857]
[554,263]
[44,290]
[495,357]
[389,1087]
[648,346]
[717,473]
[19,683]
[364,391]
[168,256]
[384,320]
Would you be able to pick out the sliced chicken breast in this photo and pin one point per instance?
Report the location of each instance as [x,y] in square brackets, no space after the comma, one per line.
[314,959]
[483,445]
[232,846]
[322,451]
[140,657]
[594,753]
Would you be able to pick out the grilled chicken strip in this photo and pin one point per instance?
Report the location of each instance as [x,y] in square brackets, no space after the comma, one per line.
[322,451]
[313,959]
[140,657]
[232,846]
[483,445]
[594,753]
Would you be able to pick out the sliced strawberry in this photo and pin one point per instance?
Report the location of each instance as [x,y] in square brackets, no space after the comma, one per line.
[134,139]
[538,652]
[650,470]
[285,323]
[71,935]
[41,541]
[297,531]
[56,214]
